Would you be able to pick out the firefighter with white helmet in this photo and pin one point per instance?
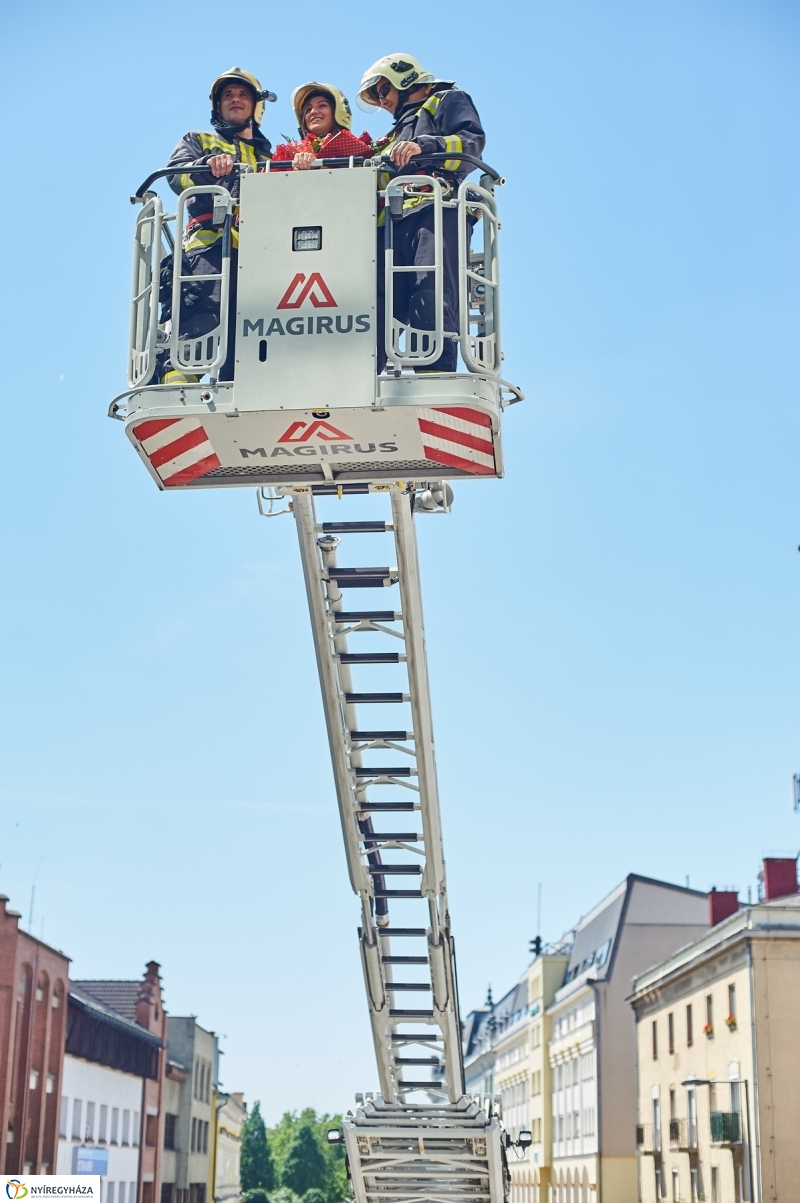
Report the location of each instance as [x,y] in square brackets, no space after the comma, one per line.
[237,108]
[323,122]
[430,116]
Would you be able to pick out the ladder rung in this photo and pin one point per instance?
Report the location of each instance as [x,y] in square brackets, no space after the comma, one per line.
[408,986]
[360,578]
[395,870]
[402,931]
[406,1014]
[432,1085]
[403,837]
[415,1038]
[367,527]
[377,807]
[417,1061]
[394,735]
[397,771]
[369,658]
[405,960]
[365,616]
[354,698]
[398,893]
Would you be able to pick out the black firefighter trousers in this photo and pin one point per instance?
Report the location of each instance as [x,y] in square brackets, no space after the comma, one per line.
[200,305]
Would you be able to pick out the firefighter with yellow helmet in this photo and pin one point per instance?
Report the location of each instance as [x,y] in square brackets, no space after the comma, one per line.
[237,108]
[430,116]
[323,123]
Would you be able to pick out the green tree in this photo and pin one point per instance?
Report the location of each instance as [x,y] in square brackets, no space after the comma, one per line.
[335,1187]
[304,1166]
[257,1195]
[257,1166]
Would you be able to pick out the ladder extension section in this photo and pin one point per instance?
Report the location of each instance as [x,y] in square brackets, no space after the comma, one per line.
[385,774]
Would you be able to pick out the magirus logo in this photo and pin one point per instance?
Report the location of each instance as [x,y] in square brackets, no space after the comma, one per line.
[313,289]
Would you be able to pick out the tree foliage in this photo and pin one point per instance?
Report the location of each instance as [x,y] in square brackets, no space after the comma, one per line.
[304,1166]
[257,1167]
[333,1184]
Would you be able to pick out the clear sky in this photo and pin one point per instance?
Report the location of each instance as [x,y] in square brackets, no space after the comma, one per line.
[612,628]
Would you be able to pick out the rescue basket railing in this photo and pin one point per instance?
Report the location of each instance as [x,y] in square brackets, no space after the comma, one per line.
[143,338]
[479,280]
[208,351]
[409,346]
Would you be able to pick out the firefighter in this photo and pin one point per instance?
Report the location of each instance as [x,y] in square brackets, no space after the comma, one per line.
[237,107]
[430,116]
[323,114]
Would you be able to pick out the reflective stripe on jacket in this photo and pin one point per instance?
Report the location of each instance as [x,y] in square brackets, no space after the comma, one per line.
[444,122]
[191,153]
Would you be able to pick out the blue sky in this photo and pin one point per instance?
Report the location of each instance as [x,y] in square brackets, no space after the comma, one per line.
[612,628]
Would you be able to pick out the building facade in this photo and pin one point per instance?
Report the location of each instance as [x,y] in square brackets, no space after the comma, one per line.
[190,1129]
[111,1101]
[230,1120]
[719,1063]
[33,992]
[591,1047]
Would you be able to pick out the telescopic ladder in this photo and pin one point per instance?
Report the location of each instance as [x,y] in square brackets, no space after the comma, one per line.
[446,1147]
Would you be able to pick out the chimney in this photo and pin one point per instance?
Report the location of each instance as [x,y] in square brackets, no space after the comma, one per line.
[721,905]
[146,1002]
[780,877]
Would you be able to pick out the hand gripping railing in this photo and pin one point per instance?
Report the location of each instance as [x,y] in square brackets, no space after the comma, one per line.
[206,352]
[143,338]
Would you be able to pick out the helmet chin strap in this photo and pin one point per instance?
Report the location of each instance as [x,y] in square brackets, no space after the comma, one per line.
[231,127]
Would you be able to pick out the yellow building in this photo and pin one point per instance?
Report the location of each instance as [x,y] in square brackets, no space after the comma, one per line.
[719,1063]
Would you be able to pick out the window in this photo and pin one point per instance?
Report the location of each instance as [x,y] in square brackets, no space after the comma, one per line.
[63,1116]
[33,1079]
[676,1187]
[169,1138]
[655,1040]
[671,1032]
[110,1193]
[689,1032]
[77,1106]
[193,1141]
[89,1121]
[101,1135]
[602,953]
[672,1114]
[121,1194]
[709,1014]
[731,1020]
[167,1189]
[587,1062]
[135,1133]
[132,1191]
[588,1121]
[151,1131]
[695,1184]
[205,1136]
[715,1184]
[114,1125]
[126,1127]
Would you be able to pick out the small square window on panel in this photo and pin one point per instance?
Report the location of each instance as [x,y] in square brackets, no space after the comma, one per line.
[307,238]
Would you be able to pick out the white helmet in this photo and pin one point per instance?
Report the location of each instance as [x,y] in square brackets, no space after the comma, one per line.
[402,70]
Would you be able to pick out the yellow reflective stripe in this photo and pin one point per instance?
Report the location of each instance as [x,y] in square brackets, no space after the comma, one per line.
[176,377]
[187,181]
[200,239]
[214,142]
[432,104]
[452,143]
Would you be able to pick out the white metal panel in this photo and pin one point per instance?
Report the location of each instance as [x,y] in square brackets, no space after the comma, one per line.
[306,318]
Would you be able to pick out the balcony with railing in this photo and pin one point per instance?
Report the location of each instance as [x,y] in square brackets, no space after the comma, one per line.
[726,1128]
[648,1139]
[682,1136]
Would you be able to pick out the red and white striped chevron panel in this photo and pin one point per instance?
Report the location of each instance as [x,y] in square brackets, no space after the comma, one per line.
[459,437]
[178,449]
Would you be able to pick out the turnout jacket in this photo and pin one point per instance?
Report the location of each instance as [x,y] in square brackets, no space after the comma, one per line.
[445,121]
[192,152]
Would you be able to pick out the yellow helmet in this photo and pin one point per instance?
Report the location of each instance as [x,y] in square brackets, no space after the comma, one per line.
[237,75]
[341,106]
[402,70]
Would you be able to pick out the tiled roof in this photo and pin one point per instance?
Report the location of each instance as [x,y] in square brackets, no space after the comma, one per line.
[80,997]
[117,996]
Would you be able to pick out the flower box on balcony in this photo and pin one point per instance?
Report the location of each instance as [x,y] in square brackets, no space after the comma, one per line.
[731,1021]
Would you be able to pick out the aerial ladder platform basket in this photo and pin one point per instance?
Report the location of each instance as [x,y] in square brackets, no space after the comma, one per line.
[308,418]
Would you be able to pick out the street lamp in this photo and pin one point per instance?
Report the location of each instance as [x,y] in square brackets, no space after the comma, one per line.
[689,1082]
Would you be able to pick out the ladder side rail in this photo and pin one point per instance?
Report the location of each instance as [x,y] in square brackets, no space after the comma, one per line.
[475,348]
[394,330]
[188,353]
[309,554]
[145,278]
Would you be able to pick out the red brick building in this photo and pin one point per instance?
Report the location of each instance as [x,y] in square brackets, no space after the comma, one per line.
[33,1013]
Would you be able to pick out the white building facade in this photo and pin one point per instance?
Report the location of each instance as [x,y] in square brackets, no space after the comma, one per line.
[101,1110]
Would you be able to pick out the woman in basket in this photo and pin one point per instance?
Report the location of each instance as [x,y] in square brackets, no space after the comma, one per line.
[323,119]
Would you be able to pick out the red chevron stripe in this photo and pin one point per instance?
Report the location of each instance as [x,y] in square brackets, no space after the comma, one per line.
[456,436]
[192,438]
[469,415]
[191,473]
[455,461]
[146,430]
